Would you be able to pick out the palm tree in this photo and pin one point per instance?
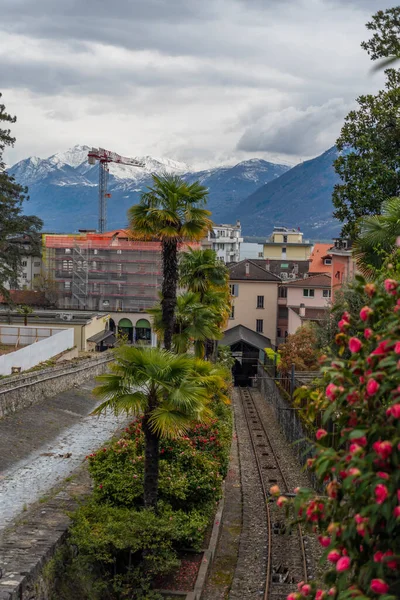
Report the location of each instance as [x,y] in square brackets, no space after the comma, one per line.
[170,391]
[200,270]
[171,211]
[377,237]
[193,322]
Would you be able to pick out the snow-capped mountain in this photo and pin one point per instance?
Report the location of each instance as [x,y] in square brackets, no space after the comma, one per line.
[63,187]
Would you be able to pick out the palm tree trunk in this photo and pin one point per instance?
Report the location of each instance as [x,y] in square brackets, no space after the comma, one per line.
[151,465]
[169,287]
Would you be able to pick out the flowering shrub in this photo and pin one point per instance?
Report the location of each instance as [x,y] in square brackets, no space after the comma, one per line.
[357,517]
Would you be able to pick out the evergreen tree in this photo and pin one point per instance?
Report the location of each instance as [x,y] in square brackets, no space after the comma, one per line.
[13,222]
[369,163]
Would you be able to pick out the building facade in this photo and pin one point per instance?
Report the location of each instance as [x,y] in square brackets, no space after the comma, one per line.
[31,264]
[320,259]
[225,240]
[287,244]
[254,293]
[343,264]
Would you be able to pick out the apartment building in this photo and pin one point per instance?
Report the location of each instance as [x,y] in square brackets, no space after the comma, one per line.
[287,244]
[320,259]
[31,264]
[225,240]
[343,267]
[302,301]
[254,292]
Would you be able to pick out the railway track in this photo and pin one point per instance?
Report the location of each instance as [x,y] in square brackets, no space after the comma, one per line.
[287,562]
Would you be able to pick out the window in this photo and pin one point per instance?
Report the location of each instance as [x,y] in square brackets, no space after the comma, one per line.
[327,261]
[285,239]
[283,252]
[260,255]
[282,312]
[119,251]
[24,276]
[278,333]
[94,264]
[95,251]
[260,301]
[221,258]
[308,293]
[326,293]
[221,246]
[232,315]
[36,264]
[24,263]
[67,285]
[284,265]
[234,289]
[282,292]
[95,287]
[259,325]
[36,275]
[67,250]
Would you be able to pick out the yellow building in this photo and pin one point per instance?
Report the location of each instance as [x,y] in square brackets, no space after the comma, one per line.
[287,244]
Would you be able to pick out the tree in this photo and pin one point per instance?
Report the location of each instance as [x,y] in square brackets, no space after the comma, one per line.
[369,143]
[356,512]
[25,310]
[13,222]
[167,389]
[377,237]
[172,212]
[194,322]
[49,287]
[300,350]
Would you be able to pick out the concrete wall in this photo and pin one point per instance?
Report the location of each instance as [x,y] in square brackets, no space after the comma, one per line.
[57,341]
[293,253]
[246,311]
[295,297]
[294,322]
[20,391]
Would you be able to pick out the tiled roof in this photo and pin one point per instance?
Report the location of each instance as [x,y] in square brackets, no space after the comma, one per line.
[240,333]
[299,267]
[317,259]
[313,314]
[315,281]
[237,271]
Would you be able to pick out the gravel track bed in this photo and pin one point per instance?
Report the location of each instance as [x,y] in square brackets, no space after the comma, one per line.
[249,579]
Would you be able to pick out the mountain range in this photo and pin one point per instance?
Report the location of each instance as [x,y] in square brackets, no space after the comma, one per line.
[63,190]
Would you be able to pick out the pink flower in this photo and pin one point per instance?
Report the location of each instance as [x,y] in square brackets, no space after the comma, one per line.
[320,595]
[354,471]
[381,349]
[343,564]
[372,387]
[355,345]
[365,312]
[343,325]
[394,411]
[355,448]
[346,316]
[321,433]
[396,512]
[361,441]
[390,285]
[378,556]
[281,501]
[305,590]
[334,556]
[391,564]
[292,596]
[378,586]
[274,490]
[370,289]
[383,475]
[381,493]
[367,333]
[324,540]
[384,449]
[331,391]
[397,348]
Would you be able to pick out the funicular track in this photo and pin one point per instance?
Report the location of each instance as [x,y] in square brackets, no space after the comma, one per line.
[287,562]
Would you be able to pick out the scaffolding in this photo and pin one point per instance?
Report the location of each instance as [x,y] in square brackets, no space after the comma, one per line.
[80,275]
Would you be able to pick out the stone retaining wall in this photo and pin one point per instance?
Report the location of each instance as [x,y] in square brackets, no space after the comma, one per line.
[23,390]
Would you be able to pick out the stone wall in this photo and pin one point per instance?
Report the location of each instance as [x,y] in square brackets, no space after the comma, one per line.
[23,390]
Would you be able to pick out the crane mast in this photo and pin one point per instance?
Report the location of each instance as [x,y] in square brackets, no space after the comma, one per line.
[105,157]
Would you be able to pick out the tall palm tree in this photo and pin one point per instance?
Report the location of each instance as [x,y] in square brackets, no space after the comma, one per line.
[172,212]
[170,391]
[377,237]
[200,270]
[194,322]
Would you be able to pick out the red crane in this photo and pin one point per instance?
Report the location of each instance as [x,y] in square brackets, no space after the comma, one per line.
[104,157]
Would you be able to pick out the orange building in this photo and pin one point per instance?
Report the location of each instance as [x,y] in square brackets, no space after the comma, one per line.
[320,259]
[343,264]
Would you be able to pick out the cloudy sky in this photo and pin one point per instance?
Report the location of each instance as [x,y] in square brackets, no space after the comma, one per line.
[201,81]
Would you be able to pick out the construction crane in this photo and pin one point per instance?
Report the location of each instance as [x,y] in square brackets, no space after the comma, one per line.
[105,157]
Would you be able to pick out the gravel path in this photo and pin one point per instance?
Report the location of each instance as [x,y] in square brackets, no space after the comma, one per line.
[249,578]
[32,463]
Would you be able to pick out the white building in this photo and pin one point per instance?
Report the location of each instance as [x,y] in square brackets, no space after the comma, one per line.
[251,250]
[31,264]
[225,240]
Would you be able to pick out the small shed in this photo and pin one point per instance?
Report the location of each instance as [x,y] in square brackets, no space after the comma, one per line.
[247,348]
[102,341]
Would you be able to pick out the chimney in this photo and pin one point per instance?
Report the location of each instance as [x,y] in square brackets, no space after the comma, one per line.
[247,269]
[238,223]
[302,312]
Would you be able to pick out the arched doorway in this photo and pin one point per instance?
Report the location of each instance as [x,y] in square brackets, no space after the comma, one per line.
[125,327]
[111,324]
[143,331]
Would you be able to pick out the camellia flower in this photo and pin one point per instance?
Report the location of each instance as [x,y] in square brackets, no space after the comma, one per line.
[383,475]
[396,512]
[367,333]
[324,540]
[321,433]
[305,590]
[343,564]
[330,391]
[372,387]
[370,289]
[343,325]
[355,345]
[381,493]
[274,490]
[397,348]
[394,411]
[384,449]
[320,595]
[390,285]
[365,312]
[293,596]
[334,556]
[281,501]
[378,556]
[378,586]
[332,489]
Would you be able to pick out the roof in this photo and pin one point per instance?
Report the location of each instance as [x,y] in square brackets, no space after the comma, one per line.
[58,317]
[102,336]
[237,271]
[312,314]
[240,333]
[315,281]
[317,258]
[283,266]
[27,297]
